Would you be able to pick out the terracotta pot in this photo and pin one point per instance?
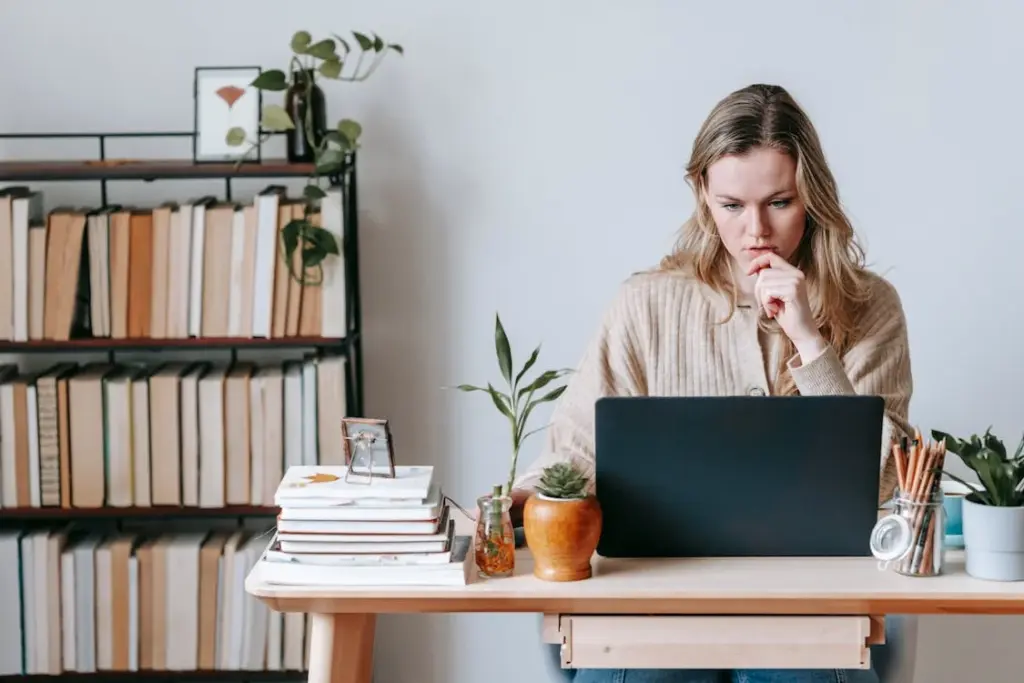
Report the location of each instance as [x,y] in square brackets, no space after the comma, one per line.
[562,536]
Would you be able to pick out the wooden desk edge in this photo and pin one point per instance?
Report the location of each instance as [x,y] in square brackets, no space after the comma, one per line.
[867,606]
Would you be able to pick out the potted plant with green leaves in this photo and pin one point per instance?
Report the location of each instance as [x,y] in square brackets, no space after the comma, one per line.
[301,116]
[562,521]
[993,514]
[515,401]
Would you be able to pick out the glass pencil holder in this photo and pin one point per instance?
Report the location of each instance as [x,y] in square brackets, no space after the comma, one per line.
[910,540]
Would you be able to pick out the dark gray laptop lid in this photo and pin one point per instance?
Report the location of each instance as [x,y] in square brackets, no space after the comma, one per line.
[737,476]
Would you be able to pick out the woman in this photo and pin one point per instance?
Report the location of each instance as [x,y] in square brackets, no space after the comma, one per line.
[766,292]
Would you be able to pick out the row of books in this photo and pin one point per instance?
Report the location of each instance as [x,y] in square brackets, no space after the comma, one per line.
[196,268]
[87,603]
[197,434]
[339,528]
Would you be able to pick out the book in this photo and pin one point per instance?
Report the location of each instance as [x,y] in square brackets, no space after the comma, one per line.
[275,568]
[303,482]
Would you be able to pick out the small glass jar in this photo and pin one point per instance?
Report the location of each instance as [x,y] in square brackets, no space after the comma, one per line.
[911,538]
[495,539]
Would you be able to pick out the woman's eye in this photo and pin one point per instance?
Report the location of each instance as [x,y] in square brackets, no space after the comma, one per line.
[730,207]
[780,203]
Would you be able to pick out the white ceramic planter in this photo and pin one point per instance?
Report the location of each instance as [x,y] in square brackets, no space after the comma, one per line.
[994,541]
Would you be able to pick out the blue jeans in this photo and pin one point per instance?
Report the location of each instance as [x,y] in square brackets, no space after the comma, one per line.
[739,676]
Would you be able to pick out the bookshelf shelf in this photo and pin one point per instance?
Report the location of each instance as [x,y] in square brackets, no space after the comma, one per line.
[106,344]
[132,513]
[224,676]
[146,169]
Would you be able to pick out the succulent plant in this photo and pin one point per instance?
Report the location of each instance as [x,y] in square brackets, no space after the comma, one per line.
[563,480]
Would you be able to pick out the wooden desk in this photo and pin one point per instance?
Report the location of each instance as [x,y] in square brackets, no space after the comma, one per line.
[701,613]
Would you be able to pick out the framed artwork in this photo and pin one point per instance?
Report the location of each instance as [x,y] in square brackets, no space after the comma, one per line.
[224,99]
[369,448]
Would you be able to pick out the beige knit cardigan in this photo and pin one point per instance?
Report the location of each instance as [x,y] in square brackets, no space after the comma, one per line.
[662,335]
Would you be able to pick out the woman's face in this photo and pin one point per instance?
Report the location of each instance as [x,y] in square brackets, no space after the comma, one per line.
[755,206]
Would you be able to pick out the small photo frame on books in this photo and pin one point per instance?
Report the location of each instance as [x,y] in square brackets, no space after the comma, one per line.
[225,99]
[368,446]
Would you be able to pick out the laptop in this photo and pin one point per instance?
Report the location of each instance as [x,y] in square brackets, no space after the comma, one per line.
[737,476]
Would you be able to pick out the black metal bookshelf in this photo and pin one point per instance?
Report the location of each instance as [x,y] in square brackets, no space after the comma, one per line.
[103,170]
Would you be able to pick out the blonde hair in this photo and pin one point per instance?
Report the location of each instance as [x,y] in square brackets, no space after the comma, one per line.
[829,254]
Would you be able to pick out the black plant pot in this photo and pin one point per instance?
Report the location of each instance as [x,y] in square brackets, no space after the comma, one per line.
[303,94]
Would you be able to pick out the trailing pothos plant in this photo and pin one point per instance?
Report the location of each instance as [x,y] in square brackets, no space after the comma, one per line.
[328,58]
[522,395]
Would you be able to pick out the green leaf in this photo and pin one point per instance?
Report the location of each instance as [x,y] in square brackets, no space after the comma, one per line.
[300,42]
[235,136]
[350,130]
[331,68]
[322,239]
[550,396]
[378,43]
[273,79]
[501,401]
[276,118]
[529,364]
[329,160]
[993,443]
[313,192]
[322,49]
[364,42]
[290,235]
[469,387]
[504,351]
[311,257]
[542,380]
[397,48]
[342,42]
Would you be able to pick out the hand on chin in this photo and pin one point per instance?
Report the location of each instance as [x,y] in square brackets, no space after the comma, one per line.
[780,290]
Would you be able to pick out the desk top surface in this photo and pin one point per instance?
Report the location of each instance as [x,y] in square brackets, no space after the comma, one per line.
[680,586]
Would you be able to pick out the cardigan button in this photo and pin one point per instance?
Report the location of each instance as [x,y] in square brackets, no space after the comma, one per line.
[756,391]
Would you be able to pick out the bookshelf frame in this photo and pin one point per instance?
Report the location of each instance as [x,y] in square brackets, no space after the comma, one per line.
[103,169]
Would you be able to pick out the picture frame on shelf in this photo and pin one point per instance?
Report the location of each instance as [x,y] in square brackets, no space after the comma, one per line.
[224,99]
[366,441]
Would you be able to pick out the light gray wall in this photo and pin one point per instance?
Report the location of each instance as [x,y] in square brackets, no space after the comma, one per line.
[527,157]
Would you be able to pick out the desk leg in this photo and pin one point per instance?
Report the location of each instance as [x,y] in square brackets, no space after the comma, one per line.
[341,648]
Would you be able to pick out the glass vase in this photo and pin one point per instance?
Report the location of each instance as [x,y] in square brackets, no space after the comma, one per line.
[495,544]
[303,94]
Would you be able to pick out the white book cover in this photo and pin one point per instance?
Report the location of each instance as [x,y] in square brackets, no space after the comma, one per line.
[340,558]
[28,605]
[11,597]
[69,623]
[133,613]
[329,481]
[370,509]
[456,572]
[35,491]
[293,526]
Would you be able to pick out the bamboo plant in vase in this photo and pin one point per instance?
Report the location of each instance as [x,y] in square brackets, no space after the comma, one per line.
[495,539]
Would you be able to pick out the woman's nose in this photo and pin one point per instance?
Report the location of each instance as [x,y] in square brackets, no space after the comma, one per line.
[757,225]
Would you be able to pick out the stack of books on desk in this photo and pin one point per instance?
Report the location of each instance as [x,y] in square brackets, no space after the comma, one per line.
[364,531]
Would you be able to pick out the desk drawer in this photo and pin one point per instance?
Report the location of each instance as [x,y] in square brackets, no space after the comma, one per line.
[714,642]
